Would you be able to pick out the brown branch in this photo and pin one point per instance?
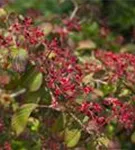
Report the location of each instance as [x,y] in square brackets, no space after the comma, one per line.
[80,123]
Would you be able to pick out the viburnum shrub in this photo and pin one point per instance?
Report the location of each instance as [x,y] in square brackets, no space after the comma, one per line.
[53,100]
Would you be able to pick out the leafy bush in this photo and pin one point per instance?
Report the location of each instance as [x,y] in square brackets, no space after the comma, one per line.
[54,97]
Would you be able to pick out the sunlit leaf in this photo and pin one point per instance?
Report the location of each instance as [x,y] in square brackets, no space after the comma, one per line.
[36,82]
[108,88]
[103,140]
[2,12]
[128,48]
[72,137]
[34,124]
[87,44]
[20,118]
[133,137]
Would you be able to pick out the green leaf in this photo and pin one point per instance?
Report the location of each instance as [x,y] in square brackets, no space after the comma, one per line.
[72,137]
[36,82]
[34,124]
[21,53]
[107,89]
[20,118]
[59,123]
[133,137]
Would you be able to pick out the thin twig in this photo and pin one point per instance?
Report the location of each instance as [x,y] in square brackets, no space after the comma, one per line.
[80,123]
[44,106]
[100,81]
[75,9]
[72,115]
[18,93]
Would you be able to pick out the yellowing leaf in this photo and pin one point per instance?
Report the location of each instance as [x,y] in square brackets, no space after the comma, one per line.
[98,92]
[21,53]
[87,79]
[87,44]
[72,137]
[103,140]
[2,12]
[52,55]
[47,28]
[20,118]
[133,137]
[128,48]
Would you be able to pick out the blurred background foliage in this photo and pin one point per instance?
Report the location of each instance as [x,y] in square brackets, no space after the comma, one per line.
[119,14]
[108,23]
